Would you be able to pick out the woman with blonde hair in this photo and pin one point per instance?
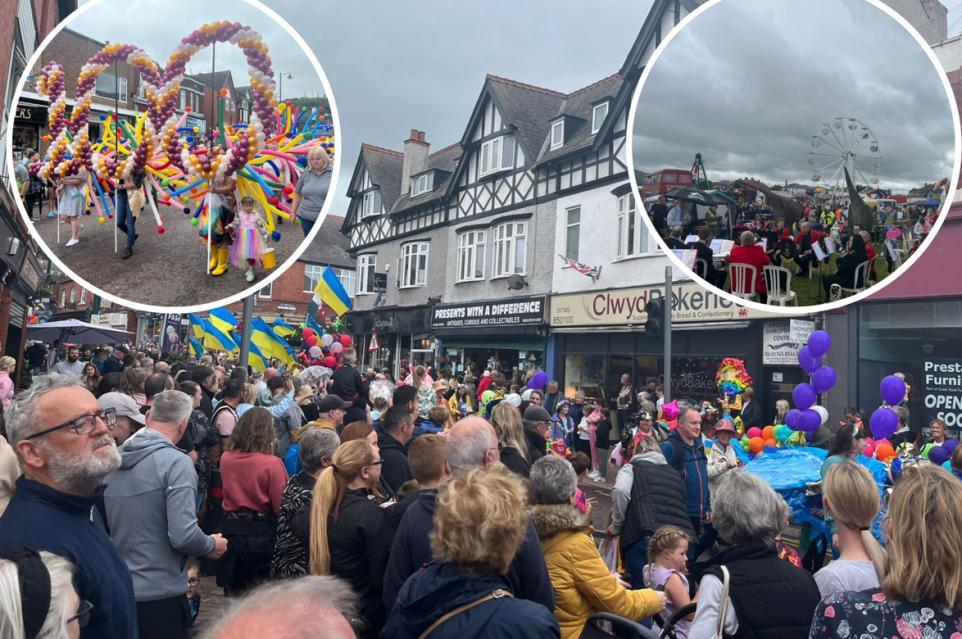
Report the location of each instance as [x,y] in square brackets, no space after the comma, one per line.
[781,411]
[852,498]
[312,188]
[921,589]
[7,366]
[346,532]
[29,578]
[479,524]
[510,430]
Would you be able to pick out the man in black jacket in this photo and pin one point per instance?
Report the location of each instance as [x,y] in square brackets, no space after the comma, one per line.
[348,384]
[114,363]
[392,441]
[752,414]
[703,251]
[537,423]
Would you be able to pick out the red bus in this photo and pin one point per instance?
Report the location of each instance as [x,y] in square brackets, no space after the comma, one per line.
[664,181]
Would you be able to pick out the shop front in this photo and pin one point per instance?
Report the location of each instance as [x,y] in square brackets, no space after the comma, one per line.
[506,335]
[599,336]
[393,338]
[30,118]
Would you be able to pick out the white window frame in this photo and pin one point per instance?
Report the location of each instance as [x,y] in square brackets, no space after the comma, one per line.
[471,256]
[414,265]
[312,275]
[569,225]
[73,294]
[366,270]
[270,292]
[510,255]
[367,204]
[348,278]
[83,295]
[121,88]
[596,120]
[63,298]
[557,134]
[632,234]
[495,149]
[421,184]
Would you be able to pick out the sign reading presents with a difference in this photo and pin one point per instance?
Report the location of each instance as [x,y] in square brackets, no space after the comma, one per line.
[525,311]
[626,306]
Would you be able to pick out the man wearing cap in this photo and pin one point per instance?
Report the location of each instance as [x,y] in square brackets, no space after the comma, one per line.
[537,425]
[151,510]
[721,457]
[331,411]
[129,417]
[115,363]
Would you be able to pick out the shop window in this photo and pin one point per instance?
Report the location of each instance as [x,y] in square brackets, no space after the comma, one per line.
[365,270]
[471,256]
[573,232]
[632,235]
[585,373]
[414,265]
[509,249]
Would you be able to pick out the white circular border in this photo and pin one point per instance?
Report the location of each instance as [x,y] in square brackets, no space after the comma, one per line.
[794,310]
[236,297]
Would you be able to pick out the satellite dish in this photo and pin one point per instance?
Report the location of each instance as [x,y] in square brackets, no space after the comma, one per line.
[516,282]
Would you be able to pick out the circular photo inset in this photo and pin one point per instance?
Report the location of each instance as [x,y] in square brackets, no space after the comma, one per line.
[794,154]
[173,163]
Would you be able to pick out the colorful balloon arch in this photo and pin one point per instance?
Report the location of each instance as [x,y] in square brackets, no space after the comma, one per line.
[266,156]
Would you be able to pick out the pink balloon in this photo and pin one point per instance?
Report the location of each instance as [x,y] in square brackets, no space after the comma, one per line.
[754,431]
[345,340]
[311,340]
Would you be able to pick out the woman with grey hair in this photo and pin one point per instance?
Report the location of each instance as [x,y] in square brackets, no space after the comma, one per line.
[317,446]
[766,596]
[582,582]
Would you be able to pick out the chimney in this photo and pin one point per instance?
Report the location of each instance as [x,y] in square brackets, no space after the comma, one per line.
[415,160]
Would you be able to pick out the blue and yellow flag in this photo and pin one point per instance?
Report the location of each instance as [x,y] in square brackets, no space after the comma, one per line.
[218,340]
[222,319]
[196,347]
[282,328]
[196,326]
[330,291]
[270,345]
[311,320]
[256,359]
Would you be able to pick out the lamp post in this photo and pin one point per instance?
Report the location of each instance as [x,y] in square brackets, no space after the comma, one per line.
[280,92]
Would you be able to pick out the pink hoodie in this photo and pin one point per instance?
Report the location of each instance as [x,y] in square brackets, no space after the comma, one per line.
[6,389]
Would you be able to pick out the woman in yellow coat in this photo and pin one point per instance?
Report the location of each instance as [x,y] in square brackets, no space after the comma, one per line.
[581,580]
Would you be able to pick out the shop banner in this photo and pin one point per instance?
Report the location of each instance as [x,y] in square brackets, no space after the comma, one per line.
[800,330]
[525,311]
[170,340]
[626,307]
[942,390]
[780,345]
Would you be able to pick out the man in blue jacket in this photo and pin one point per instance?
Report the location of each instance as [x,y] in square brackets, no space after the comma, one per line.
[151,512]
[62,439]
[684,450]
[471,443]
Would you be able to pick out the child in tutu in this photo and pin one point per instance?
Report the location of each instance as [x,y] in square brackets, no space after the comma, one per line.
[249,237]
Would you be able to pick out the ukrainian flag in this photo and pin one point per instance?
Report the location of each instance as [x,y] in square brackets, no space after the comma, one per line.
[196,326]
[222,319]
[218,340]
[256,359]
[282,328]
[270,345]
[330,291]
[196,347]
[313,323]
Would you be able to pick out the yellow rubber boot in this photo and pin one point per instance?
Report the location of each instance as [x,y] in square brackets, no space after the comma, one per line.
[213,258]
[221,267]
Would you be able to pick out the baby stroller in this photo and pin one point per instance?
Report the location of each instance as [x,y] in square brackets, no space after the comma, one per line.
[628,629]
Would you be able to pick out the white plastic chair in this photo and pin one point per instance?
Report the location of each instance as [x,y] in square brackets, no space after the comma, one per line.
[874,267]
[861,269]
[701,268]
[743,281]
[773,280]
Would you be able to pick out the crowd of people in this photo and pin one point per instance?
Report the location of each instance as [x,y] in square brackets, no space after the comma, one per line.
[347,509]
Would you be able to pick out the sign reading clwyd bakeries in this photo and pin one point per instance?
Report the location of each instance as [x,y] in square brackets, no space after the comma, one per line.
[622,307]
[525,311]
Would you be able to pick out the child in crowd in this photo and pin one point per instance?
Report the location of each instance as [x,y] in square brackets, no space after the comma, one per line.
[249,237]
[581,463]
[436,422]
[667,557]
[193,589]
[380,405]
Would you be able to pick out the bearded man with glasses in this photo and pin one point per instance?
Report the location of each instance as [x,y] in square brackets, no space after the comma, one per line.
[63,443]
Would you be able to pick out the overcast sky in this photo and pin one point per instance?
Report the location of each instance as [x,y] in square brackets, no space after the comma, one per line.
[750,81]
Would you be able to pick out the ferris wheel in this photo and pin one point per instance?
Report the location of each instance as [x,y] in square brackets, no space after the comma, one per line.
[844,143]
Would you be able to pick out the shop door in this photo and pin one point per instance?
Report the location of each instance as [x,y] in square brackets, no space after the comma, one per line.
[618,365]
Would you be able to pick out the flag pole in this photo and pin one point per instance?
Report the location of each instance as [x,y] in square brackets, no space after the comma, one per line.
[116,147]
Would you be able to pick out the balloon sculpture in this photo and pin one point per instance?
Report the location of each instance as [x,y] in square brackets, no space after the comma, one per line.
[266,155]
[732,380]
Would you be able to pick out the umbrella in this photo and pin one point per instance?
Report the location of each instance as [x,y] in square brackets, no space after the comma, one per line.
[76,332]
[695,195]
[316,375]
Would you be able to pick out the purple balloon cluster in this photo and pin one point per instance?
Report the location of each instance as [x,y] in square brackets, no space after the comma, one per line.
[884,422]
[803,417]
[941,454]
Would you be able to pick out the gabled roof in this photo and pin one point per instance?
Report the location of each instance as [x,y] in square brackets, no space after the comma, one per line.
[442,160]
[330,245]
[527,107]
[580,104]
[384,168]
[217,80]
[242,92]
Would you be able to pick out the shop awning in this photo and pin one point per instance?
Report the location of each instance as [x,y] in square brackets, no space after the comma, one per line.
[494,344]
[932,274]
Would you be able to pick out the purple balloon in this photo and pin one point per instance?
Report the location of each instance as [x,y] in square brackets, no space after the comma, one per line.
[950,444]
[883,423]
[808,421]
[892,389]
[539,380]
[807,361]
[792,418]
[823,378]
[939,455]
[804,396]
[819,342]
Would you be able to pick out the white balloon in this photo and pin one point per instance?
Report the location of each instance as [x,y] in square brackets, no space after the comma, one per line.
[822,412]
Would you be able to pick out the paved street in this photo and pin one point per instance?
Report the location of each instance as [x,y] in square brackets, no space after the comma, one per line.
[165,270]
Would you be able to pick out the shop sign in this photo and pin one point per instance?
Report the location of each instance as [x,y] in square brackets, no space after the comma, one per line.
[626,307]
[385,323]
[524,311]
[942,390]
[31,114]
[170,340]
[800,330]
[779,346]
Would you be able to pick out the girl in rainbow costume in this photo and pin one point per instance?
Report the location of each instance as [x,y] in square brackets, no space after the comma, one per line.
[250,237]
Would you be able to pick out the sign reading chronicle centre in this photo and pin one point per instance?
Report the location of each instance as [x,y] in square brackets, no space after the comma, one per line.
[524,311]
[626,306]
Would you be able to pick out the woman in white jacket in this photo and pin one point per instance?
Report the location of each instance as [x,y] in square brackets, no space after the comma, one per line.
[721,457]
